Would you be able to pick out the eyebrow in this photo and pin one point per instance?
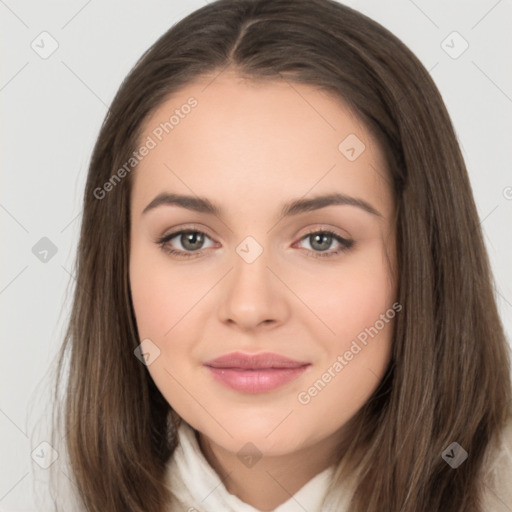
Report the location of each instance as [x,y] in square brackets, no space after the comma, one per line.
[294,207]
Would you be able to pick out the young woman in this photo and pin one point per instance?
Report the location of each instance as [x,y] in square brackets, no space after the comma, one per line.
[283,298]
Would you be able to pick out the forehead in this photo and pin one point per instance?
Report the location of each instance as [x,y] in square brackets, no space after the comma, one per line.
[225,135]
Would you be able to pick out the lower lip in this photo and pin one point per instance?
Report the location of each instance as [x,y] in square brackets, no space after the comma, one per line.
[255,381]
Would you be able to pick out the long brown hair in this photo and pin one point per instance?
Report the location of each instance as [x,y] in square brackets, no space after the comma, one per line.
[448,379]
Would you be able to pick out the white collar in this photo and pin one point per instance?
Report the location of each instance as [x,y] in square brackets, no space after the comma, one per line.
[197,486]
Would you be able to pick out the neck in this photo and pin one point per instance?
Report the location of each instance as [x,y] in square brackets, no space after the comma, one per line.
[280,476]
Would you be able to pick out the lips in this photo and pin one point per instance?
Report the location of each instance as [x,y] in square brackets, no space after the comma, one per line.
[254,362]
[257,373]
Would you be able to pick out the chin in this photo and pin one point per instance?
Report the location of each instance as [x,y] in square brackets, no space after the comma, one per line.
[269,434]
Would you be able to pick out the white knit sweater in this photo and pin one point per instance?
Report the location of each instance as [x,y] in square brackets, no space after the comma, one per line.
[198,488]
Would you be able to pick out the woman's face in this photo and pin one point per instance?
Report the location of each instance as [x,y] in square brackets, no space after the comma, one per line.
[257,275]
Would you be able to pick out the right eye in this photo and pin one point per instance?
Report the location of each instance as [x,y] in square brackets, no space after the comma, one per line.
[190,240]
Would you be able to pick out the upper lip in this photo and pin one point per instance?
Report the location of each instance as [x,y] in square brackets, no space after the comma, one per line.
[254,361]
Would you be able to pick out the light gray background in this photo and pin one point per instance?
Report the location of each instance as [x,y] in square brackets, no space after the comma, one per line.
[52,110]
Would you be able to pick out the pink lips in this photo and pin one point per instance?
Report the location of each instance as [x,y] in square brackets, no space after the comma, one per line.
[257,373]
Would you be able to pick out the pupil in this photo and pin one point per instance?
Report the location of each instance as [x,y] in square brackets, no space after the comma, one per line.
[194,238]
[325,237]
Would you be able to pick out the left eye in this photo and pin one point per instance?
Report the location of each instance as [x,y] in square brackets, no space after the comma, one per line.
[321,239]
[192,242]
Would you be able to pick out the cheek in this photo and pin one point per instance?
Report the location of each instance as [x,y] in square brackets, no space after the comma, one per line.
[161,298]
[351,299]
[152,302]
[358,304]
[161,295]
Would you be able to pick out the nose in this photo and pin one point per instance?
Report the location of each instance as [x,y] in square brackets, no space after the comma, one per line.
[252,297]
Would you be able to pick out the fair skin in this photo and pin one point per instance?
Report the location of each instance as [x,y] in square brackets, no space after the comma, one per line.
[250,147]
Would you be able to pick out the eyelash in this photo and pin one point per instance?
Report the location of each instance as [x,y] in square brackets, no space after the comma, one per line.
[345,244]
